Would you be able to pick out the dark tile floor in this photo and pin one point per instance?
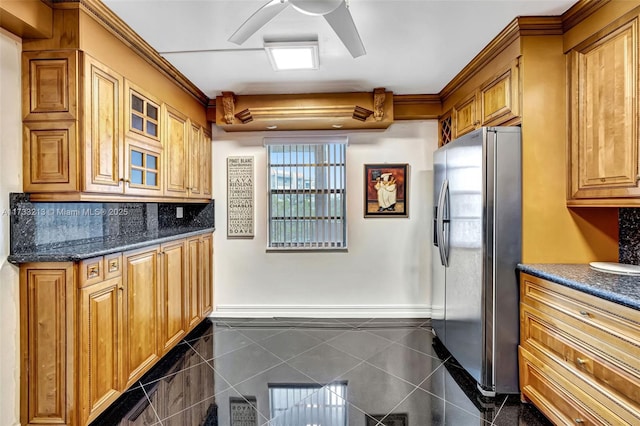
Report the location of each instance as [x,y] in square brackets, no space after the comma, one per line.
[312,372]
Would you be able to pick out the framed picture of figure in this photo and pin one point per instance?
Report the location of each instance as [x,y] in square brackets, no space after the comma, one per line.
[386,190]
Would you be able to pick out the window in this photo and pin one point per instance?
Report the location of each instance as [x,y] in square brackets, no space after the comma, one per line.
[307,194]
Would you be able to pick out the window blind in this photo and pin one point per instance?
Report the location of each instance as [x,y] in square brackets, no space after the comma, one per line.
[307,188]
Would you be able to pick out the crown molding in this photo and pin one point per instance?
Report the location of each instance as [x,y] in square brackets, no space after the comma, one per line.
[520,26]
[416,107]
[579,12]
[116,26]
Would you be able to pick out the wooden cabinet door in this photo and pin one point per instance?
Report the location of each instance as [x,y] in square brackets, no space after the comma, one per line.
[195,162]
[499,98]
[206,287]
[174,293]
[100,347]
[206,167]
[142,313]
[603,73]
[102,134]
[194,280]
[47,343]
[465,116]
[175,144]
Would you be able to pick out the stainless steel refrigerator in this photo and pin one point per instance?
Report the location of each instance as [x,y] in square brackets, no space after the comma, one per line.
[476,246]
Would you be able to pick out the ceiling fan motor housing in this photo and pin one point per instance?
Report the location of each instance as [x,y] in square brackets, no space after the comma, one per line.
[316,7]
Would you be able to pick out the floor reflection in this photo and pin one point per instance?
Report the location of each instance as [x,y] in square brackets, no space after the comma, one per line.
[299,372]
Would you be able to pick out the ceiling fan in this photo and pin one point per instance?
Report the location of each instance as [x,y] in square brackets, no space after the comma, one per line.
[336,12]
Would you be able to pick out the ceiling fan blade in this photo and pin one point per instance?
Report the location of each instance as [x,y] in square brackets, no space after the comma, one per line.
[343,25]
[258,20]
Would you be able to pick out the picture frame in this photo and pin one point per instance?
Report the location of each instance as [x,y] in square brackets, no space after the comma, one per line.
[386,191]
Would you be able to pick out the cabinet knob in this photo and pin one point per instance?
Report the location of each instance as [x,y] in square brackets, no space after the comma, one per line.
[637,178]
[93,272]
[585,314]
[113,266]
[579,421]
[580,361]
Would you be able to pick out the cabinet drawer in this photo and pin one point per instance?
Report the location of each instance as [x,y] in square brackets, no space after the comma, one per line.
[112,266]
[613,330]
[553,400]
[91,271]
[615,387]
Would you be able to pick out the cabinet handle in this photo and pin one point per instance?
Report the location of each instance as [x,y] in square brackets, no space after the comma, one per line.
[637,178]
[580,361]
[93,272]
[113,266]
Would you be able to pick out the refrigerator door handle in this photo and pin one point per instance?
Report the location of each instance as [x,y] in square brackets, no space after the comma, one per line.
[445,224]
[440,223]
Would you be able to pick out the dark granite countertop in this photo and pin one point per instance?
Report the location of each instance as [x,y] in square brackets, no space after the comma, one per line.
[71,252]
[621,289]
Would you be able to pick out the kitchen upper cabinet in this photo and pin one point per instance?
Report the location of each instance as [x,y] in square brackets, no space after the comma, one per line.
[603,79]
[195,154]
[176,148]
[496,102]
[142,312]
[91,134]
[465,115]
[103,131]
[143,147]
[205,166]
[499,97]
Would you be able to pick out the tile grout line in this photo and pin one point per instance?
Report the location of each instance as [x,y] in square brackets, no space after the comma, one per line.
[499,411]
[151,404]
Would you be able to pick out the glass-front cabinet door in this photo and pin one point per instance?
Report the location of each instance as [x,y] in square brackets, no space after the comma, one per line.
[143,148]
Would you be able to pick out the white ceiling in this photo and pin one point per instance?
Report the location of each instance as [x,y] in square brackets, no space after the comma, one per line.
[413,46]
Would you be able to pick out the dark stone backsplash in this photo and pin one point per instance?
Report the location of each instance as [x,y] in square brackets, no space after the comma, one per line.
[629,236]
[37,225]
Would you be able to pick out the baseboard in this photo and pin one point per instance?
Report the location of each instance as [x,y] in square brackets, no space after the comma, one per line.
[323,311]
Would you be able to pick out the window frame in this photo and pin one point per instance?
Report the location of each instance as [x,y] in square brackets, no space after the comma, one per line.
[326,245]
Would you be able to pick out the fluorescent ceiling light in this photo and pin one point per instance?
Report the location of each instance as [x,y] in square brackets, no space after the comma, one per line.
[293,55]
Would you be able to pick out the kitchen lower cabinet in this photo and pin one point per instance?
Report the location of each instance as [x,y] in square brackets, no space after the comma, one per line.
[173,293]
[91,329]
[100,323]
[142,313]
[578,355]
[200,278]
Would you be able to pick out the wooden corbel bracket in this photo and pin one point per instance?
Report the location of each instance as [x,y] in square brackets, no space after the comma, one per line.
[379,96]
[228,105]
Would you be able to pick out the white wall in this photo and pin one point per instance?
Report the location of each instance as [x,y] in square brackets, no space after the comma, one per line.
[10,181]
[386,271]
